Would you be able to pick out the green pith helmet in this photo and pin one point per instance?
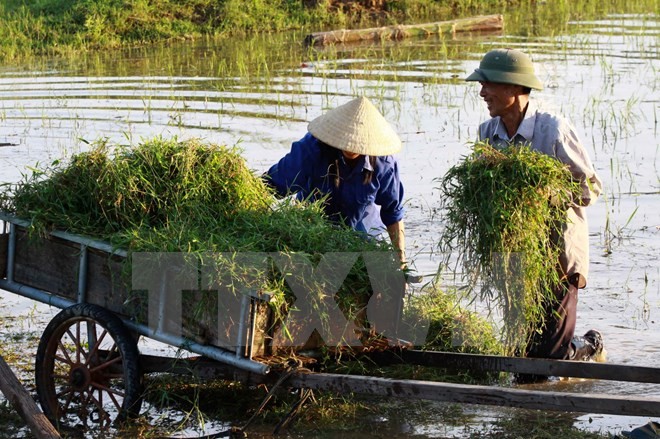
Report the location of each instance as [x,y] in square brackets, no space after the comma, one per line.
[506,66]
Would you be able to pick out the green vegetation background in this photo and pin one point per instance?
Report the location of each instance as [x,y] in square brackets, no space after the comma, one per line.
[53,27]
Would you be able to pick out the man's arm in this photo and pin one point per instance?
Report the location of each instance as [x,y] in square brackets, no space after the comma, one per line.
[570,151]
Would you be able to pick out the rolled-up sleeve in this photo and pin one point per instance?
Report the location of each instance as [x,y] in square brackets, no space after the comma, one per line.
[390,194]
[570,151]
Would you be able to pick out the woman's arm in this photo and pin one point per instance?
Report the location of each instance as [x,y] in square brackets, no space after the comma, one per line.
[398,237]
[290,174]
[390,200]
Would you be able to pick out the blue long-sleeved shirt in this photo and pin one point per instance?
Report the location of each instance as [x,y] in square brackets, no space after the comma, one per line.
[304,171]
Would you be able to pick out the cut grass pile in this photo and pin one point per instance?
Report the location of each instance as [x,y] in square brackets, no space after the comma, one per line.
[504,211]
[170,195]
[124,195]
[202,199]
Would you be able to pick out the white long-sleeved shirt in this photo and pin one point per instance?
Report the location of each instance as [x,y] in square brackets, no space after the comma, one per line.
[553,135]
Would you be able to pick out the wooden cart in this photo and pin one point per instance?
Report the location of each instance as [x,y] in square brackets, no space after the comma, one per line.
[89,370]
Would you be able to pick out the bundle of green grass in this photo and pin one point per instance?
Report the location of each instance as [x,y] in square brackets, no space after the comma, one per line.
[123,194]
[170,195]
[504,210]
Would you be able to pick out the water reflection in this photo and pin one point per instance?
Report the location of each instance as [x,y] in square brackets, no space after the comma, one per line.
[261,93]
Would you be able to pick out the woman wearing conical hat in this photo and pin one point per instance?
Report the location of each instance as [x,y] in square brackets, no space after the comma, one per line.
[346,156]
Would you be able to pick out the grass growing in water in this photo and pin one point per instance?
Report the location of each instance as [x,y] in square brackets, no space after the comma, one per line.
[62,27]
[452,328]
[504,211]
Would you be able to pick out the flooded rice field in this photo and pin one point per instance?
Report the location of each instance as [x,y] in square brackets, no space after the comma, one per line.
[261,92]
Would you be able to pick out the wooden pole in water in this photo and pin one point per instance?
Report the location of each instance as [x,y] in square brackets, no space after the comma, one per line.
[473,24]
[16,394]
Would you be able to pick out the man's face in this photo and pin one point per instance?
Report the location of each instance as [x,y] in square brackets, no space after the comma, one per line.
[500,98]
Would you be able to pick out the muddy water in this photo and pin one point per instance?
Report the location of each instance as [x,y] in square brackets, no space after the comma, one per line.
[261,93]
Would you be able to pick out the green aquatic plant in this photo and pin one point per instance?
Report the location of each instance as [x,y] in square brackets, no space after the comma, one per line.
[504,211]
[451,326]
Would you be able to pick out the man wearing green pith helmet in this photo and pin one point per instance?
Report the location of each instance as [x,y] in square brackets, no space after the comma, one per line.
[507,78]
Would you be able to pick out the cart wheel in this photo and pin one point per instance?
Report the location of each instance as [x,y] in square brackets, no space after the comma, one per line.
[87,369]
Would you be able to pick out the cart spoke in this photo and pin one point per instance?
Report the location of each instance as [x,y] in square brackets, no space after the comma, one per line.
[100,400]
[97,343]
[68,401]
[107,389]
[80,346]
[61,371]
[114,350]
[111,394]
[107,363]
[63,360]
[103,416]
[67,390]
[76,343]
[94,406]
[64,351]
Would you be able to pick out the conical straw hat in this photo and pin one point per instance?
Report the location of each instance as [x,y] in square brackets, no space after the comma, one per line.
[356,126]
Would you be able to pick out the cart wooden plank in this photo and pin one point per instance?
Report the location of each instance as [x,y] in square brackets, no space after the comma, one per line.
[541,399]
[538,366]
[474,394]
